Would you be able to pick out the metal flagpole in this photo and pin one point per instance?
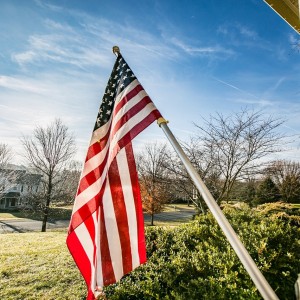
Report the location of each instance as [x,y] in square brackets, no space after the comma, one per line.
[259,280]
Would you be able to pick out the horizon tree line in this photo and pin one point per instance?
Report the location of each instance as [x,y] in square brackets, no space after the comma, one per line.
[230,153]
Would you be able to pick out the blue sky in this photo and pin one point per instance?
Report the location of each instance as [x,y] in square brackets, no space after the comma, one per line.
[194,58]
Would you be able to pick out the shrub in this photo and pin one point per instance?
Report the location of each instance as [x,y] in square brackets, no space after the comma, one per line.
[195,261]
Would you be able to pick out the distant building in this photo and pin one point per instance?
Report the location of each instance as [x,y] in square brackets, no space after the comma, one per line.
[15,184]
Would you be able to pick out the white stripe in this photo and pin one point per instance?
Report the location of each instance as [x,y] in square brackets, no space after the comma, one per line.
[136,119]
[93,189]
[86,242]
[135,100]
[90,192]
[95,161]
[127,90]
[101,132]
[113,237]
[130,206]
[99,274]
[94,270]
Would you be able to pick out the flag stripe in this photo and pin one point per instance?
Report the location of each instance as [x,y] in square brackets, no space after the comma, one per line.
[139,128]
[130,114]
[118,193]
[89,194]
[106,234]
[130,188]
[106,262]
[113,236]
[135,94]
[141,244]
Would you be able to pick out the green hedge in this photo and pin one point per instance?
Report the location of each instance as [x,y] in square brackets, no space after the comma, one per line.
[195,261]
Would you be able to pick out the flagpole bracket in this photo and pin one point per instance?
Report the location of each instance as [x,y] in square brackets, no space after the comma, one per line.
[161,121]
[116,50]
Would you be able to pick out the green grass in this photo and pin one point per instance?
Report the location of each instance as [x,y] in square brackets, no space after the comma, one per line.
[38,266]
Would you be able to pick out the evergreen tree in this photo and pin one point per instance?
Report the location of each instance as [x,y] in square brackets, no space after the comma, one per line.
[267,191]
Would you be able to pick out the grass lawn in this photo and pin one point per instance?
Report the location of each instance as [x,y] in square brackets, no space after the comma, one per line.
[38,266]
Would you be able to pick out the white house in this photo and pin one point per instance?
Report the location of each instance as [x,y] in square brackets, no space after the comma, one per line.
[15,183]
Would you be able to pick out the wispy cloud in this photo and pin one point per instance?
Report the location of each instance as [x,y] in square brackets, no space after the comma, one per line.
[216,51]
[48,5]
[60,48]
[260,102]
[251,98]
[235,30]
[21,85]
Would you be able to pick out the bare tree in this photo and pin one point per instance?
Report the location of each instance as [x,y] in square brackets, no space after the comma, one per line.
[204,164]
[153,178]
[6,155]
[49,150]
[238,143]
[66,188]
[286,175]
[8,177]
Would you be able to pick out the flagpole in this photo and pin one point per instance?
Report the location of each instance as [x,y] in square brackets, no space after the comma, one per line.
[259,280]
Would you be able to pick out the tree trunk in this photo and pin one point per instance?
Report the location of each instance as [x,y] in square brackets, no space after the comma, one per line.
[152,219]
[46,209]
[45,218]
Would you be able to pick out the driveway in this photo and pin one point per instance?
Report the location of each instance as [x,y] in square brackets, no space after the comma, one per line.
[25,225]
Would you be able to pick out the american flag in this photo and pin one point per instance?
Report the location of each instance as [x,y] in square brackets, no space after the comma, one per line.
[106,232]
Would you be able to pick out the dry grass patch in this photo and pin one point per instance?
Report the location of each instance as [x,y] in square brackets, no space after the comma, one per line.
[38,266]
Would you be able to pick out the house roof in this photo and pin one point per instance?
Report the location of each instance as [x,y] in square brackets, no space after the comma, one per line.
[288,10]
[21,176]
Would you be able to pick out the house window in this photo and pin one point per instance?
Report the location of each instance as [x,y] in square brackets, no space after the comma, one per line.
[22,187]
[13,202]
[2,201]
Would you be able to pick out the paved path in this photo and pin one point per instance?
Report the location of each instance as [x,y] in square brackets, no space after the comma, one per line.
[25,225]
[176,215]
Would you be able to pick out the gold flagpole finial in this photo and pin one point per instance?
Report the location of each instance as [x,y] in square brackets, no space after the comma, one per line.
[116,50]
[161,120]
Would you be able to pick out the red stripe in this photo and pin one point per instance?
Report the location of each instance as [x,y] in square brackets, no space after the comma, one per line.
[96,148]
[138,204]
[154,115]
[107,268]
[127,98]
[93,176]
[121,215]
[81,260]
[93,150]
[130,113]
[108,169]
[90,206]
[80,215]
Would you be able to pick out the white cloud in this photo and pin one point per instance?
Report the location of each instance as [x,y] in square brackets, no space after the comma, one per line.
[216,51]
[22,85]
[260,102]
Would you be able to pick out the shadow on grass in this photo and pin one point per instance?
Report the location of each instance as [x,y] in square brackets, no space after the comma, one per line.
[14,228]
[55,213]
